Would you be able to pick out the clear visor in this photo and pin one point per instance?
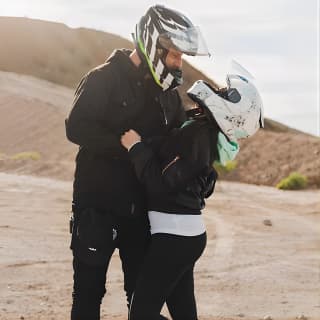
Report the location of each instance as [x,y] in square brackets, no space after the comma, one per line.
[189,41]
[236,69]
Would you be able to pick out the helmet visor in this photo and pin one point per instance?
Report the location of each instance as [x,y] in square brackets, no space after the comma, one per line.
[237,69]
[189,41]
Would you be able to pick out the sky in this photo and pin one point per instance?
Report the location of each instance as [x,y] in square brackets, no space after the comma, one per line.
[276,40]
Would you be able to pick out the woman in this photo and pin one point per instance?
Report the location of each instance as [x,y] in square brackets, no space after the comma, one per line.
[177,172]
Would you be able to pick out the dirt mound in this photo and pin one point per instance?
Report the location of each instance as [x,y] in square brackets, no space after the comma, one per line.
[268,157]
[32,127]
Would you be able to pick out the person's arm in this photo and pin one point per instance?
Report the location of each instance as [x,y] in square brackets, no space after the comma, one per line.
[172,176]
[85,124]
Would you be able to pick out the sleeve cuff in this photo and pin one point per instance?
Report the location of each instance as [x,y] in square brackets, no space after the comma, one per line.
[138,151]
[133,145]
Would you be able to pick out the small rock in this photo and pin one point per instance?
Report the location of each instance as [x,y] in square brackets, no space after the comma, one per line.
[22,318]
[240,315]
[267,318]
[267,222]
[301,317]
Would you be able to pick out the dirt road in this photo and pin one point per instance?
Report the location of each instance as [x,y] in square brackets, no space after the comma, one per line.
[262,258]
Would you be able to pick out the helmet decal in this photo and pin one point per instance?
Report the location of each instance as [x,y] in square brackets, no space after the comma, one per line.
[163,28]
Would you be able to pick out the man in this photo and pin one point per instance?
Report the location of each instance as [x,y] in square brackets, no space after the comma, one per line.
[131,90]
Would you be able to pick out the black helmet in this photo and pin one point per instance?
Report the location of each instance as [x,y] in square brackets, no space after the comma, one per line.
[159,30]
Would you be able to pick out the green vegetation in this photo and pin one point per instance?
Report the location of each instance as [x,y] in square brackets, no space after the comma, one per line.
[26,155]
[294,181]
[223,169]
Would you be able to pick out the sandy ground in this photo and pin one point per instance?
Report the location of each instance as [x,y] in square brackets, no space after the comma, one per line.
[250,269]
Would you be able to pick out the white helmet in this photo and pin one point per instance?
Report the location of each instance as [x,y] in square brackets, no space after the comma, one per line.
[238,110]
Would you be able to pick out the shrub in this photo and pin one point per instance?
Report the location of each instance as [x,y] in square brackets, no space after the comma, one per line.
[294,181]
[26,155]
[223,169]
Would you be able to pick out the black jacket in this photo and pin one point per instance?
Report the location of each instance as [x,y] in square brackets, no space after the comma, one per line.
[179,175]
[110,100]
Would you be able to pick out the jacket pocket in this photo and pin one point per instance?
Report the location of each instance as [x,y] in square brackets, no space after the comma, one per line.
[93,236]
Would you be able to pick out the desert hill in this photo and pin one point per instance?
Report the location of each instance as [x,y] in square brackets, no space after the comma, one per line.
[62,55]
[33,110]
[32,120]
[55,52]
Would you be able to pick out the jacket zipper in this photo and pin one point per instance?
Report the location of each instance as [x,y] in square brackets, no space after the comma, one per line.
[163,111]
[170,164]
[164,115]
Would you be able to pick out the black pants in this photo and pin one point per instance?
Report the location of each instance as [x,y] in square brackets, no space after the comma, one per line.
[167,276]
[132,239]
